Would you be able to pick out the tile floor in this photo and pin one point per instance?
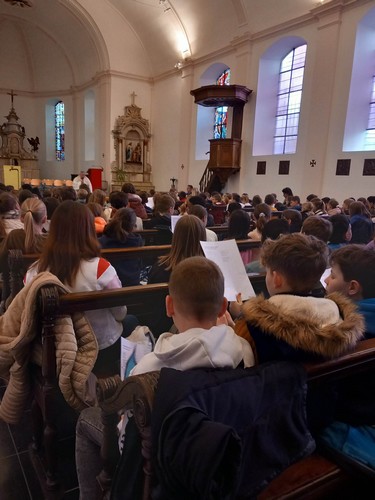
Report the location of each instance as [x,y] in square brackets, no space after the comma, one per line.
[18,480]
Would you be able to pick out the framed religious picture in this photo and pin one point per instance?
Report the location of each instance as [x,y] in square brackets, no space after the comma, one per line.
[343,166]
[284,167]
[369,167]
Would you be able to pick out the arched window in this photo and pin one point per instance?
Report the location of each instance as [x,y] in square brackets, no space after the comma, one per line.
[273,81]
[289,100]
[60,131]
[359,132]
[221,113]
[370,132]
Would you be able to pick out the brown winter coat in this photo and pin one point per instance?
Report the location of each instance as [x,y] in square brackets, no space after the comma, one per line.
[75,344]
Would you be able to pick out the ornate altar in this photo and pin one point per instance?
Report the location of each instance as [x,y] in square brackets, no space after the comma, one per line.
[12,151]
[131,135]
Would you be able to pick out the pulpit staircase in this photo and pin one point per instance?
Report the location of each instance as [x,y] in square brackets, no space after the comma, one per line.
[224,162]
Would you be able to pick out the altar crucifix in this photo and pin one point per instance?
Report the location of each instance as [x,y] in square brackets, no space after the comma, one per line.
[12,94]
[133,95]
[173,180]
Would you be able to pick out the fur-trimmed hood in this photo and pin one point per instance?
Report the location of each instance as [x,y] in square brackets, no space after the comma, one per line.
[327,327]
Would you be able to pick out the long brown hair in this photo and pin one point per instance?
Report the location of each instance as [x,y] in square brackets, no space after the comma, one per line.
[34,214]
[121,224]
[71,238]
[188,233]
[98,196]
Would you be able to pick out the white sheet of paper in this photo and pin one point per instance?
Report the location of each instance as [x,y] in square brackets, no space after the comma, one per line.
[325,275]
[127,350]
[174,219]
[227,256]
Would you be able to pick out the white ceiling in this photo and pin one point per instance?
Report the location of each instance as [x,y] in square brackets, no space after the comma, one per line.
[52,46]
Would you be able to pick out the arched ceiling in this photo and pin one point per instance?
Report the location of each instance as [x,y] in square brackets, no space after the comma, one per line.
[209,25]
[44,48]
[57,44]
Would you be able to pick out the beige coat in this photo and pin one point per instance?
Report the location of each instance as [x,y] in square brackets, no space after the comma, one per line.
[20,342]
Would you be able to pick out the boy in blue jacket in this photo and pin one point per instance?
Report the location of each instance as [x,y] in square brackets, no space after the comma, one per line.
[353,275]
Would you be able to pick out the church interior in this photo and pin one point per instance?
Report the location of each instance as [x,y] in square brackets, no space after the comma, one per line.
[171,93]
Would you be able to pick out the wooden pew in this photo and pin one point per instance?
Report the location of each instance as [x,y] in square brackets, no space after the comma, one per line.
[314,477]
[149,254]
[150,236]
[141,300]
[45,410]
[19,263]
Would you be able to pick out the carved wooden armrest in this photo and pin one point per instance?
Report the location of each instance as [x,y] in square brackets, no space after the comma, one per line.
[135,393]
[16,271]
[115,394]
[13,272]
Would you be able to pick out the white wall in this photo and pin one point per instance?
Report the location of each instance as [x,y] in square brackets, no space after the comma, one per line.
[170,131]
[355,184]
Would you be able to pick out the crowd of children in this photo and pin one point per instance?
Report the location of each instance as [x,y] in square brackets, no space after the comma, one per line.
[300,240]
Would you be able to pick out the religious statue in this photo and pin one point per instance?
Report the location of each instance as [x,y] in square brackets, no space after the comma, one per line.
[34,143]
[137,154]
[129,152]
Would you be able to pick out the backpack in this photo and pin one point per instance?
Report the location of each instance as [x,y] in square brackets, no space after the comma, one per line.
[140,342]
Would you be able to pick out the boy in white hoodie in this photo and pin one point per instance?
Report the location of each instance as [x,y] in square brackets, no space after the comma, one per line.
[196,303]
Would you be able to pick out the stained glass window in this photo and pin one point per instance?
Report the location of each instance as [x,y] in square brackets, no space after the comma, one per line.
[224,78]
[370,132]
[60,131]
[221,113]
[289,101]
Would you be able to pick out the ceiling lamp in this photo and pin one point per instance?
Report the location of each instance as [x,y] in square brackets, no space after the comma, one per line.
[20,3]
[165,5]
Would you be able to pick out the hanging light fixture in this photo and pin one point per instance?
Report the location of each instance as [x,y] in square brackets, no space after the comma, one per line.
[20,3]
[165,5]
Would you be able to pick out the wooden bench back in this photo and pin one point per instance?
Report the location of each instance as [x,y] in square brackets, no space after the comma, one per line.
[139,300]
[149,254]
[19,263]
[150,235]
